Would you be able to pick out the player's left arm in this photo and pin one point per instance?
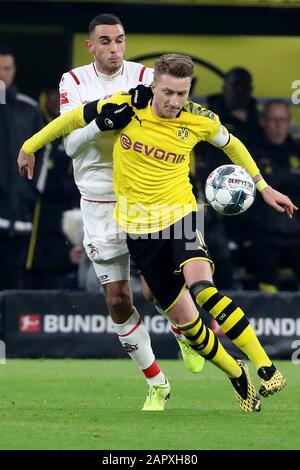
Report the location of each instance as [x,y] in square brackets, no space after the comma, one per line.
[238,154]
[111,116]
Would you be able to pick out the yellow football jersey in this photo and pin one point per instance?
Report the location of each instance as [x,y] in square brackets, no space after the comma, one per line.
[152,165]
[151,161]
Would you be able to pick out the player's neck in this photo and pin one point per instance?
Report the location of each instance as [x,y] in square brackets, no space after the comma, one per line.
[156,110]
[105,71]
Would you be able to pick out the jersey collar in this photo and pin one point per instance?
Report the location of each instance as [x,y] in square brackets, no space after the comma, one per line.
[108,78]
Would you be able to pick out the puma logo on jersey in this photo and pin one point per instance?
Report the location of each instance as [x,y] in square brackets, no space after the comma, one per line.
[138,119]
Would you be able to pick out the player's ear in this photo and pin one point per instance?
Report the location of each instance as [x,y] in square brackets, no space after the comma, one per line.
[90,46]
[153,88]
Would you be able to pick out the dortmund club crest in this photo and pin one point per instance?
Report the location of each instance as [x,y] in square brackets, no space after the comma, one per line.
[182,133]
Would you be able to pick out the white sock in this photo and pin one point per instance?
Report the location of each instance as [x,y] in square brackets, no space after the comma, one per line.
[136,342]
[159,379]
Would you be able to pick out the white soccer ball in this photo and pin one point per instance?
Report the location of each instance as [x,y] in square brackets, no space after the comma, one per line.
[230,190]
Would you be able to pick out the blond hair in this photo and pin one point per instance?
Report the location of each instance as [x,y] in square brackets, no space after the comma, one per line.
[176,65]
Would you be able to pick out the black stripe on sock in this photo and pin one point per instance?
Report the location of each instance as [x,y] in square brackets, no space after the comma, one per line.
[238,328]
[231,307]
[188,327]
[212,301]
[206,339]
[214,350]
[196,336]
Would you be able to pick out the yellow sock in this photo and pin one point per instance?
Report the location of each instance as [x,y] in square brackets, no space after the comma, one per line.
[234,324]
[204,341]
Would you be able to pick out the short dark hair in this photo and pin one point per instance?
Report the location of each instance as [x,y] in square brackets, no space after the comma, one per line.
[105,18]
[239,72]
[177,65]
[4,50]
[275,101]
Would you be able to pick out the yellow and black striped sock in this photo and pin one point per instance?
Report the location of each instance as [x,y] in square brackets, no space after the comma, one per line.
[232,321]
[204,341]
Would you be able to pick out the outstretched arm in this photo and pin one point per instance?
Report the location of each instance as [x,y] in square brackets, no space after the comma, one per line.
[280,202]
[112,117]
[56,128]
[238,153]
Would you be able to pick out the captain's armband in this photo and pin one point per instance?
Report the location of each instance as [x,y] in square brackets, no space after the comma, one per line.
[221,138]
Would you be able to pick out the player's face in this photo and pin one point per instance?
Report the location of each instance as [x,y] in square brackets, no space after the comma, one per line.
[7,69]
[276,122]
[169,95]
[107,44]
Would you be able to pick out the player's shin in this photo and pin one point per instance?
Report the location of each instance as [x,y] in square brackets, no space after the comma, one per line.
[232,321]
[192,360]
[136,342]
[204,341]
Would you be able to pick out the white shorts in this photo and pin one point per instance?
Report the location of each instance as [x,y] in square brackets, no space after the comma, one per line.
[105,242]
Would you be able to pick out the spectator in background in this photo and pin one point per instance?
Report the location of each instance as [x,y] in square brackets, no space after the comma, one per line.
[237,110]
[19,118]
[52,262]
[235,106]
[275,240]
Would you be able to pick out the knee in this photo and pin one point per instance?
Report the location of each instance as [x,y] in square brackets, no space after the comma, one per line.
[118,296]
[117,300]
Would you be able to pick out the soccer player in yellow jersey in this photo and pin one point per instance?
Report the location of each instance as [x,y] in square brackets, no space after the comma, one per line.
[157,209]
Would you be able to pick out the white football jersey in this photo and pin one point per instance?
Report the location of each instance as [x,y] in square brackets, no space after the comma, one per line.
[92,154]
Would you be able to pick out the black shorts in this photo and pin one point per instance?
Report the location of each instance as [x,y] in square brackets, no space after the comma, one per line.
[160,257]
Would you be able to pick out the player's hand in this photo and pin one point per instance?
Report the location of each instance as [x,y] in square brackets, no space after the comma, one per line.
[114,116]
[26,164]
[140,96]
[280,202]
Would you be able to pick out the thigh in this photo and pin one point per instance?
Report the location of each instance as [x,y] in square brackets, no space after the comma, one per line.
[188,242]
[153,258]
[103,238]
[113,270]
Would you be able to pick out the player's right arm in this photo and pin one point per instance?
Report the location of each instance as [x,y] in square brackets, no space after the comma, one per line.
[115,114]
[239,154]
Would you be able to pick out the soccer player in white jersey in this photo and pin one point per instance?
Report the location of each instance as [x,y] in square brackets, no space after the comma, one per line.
[91,150]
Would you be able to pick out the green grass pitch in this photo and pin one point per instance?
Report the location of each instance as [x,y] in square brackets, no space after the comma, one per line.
[95,404]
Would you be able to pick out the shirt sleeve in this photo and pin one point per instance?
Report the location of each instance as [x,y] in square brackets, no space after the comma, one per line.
[220,137]
[69,94]
[209,122]
[75,143]
[55,129]
[70,121]
[238,154]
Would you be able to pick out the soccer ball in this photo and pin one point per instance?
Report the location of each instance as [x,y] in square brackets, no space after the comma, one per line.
[230,190]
